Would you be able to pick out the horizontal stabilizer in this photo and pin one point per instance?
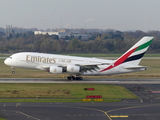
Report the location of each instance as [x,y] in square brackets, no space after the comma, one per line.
[136,67]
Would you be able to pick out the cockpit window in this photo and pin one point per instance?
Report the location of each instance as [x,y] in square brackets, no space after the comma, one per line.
[10,57]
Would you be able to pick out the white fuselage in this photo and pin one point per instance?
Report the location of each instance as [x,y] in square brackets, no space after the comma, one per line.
[42,61]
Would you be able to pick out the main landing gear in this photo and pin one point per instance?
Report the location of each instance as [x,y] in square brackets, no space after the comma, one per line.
[74,78]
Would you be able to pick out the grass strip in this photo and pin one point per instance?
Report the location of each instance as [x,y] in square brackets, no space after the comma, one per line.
[44,92]
[2,119]
[57,90]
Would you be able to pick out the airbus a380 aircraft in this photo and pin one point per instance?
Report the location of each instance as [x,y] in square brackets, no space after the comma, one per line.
[57,64]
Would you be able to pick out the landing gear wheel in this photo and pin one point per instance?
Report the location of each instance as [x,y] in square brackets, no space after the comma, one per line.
[69,78]
[73,78]
[13,72]
[79,78]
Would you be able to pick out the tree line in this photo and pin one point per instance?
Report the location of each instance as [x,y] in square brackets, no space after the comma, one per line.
[106,42]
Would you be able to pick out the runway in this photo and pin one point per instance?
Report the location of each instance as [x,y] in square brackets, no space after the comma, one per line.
[85,81]
[147,107]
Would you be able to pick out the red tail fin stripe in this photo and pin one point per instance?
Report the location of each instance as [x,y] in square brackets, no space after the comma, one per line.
[120,60]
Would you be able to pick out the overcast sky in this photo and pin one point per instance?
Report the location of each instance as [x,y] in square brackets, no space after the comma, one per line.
[103,14]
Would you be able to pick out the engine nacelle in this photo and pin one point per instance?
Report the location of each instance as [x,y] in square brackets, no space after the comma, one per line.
[55,70]
[73,69]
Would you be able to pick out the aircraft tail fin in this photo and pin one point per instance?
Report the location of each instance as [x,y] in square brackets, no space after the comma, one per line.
[134,54]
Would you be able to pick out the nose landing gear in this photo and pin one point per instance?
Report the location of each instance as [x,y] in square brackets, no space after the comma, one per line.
[13,71]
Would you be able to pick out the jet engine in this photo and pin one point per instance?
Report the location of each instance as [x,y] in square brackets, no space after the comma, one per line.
[73,68]
[55,70]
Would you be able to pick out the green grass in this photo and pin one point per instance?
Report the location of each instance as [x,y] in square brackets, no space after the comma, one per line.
[4,55]
[33,90]
[2,119]
[27,92]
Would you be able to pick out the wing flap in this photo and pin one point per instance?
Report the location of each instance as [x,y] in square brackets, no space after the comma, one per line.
[91,64]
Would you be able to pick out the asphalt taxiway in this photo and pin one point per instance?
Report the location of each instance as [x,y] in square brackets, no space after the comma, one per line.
[80,111]
[147,107]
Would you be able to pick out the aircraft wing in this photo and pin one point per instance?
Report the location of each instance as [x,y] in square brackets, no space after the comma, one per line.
[84,67]
[91,66]
[88,64]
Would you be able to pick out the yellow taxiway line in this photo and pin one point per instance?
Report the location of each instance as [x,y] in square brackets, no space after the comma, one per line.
[119,116]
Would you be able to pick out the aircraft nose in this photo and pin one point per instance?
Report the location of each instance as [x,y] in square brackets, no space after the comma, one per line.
[7,61]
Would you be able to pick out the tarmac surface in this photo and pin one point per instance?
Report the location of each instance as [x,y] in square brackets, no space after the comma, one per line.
[147,107]
[85,81]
